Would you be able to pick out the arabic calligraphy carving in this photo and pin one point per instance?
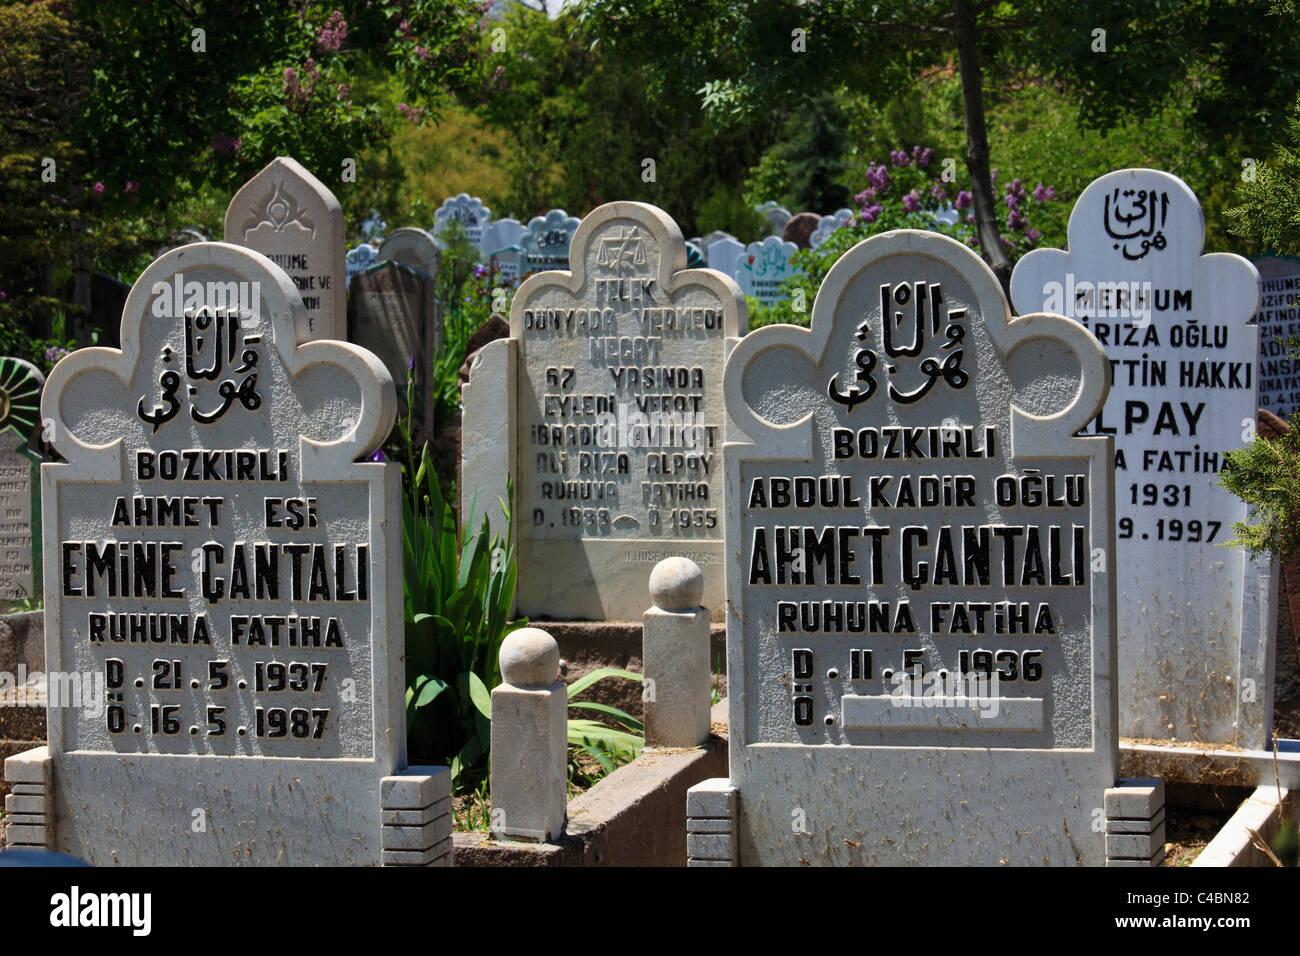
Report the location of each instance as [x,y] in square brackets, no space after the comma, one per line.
[1136,214]
[279,210]
[213,344]
[921,298]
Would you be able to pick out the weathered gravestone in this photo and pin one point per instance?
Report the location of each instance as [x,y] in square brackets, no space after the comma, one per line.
[413,247]
[292,218]
[723,253]
[605,405]
[107,297]
[799,227]
[501,234]
[1195,660]
[828,224]
[359,260]
[393,312]
[20,518]
[764,267]
[467,210]
[775,214]
[1278,319]
[920,626]
[546,241]
[226,577]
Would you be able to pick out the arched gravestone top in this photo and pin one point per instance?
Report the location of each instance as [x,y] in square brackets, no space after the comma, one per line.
[800,227]
[775,214]
[546,241]
[828,224]
[290,216]
[360,259]
[848,423]
[287,554]
[413,247]
[611,383]
[1175,324]
[764,266]
[467,210]
[501,234]
[20,415]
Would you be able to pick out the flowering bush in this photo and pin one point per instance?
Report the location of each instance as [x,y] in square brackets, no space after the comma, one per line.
[908,193]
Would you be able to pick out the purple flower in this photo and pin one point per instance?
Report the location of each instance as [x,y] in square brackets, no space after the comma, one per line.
[223,144]
[939,192]
[1034,235]
[333,33]
[973,241]
[410,363]
[1015,220]
[912,201]
[899,158]
[378,455]
[1044,193]
[922,156]
[1013,203]
[97,189]
[54,353]
[970,217]
[963,200]
[872,213]
[993,177]
[878,176]
[131,186]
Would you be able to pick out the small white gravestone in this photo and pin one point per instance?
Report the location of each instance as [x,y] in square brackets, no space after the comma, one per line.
[828,224]
[225,595]
[393,312]
[775,214]
[1194,651]
[360,259]
[1278,319]
[20,417]
[467,210]
[920,598]
[413,247]
[291,217]
[605,406]
[509,264]
[764,267]
[501,234]
[546,241]
[723,253]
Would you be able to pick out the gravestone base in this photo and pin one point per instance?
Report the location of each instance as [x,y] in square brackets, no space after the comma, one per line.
[416,817]
[29,805]
[712,809]
[1135,823]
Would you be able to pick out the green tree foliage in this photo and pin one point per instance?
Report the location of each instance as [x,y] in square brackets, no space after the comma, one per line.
[586,119]
[1269,210]
[1231,61]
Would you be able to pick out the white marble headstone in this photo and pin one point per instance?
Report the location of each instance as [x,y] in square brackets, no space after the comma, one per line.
[413,247]
[546,241]
[360,259]
[764,267]
[775,214]
[723,253]
[920,580]
[828,224]
[1278,319]
[501,234]
[224,575]
[605,406]
[20,416]
[290,216]
[1194,663]
[467,210]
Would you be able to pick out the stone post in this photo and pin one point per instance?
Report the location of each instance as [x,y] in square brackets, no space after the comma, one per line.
[529,740]
[675,651]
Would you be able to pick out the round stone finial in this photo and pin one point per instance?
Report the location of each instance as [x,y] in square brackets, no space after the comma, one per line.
[530,658]
[676,584]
